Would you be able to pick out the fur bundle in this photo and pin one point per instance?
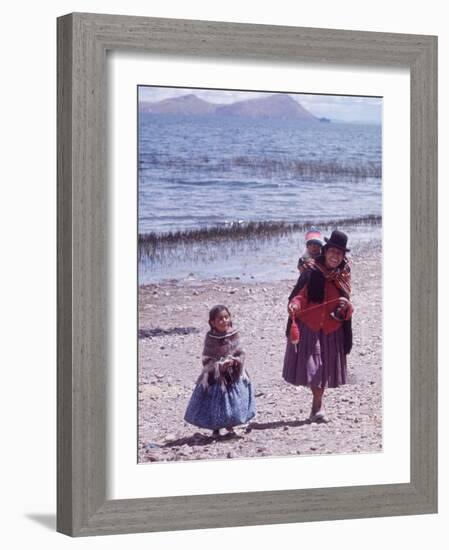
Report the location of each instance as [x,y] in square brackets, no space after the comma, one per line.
[223,359]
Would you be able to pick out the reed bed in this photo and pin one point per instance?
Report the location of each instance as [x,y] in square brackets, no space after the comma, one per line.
[267,167]
[154,246]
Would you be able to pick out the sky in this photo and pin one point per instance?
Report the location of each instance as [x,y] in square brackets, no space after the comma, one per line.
[337,108]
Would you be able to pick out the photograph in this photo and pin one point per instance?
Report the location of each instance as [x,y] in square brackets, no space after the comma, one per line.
[259,274]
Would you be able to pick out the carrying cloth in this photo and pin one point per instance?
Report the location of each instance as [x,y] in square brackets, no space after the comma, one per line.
[316,275]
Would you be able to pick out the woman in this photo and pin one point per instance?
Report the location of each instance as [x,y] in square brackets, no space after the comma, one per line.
[320,306]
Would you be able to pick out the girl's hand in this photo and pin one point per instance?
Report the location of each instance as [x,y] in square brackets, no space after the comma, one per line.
[225,365]
[232,361]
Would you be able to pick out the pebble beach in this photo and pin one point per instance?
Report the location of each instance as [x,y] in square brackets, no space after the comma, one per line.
[173,318]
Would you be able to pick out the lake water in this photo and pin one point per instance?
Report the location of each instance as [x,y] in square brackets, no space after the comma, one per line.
[200,172]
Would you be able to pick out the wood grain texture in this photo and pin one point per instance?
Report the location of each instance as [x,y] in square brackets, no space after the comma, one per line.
[83,40]
[423,274]
[64,279]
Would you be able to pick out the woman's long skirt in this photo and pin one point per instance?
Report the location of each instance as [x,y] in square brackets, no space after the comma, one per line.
[318,360]
[214,407]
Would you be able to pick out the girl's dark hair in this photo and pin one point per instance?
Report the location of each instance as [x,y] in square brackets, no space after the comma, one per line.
[216,310]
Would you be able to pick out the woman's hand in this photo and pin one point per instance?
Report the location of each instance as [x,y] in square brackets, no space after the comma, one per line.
[293,307]
[346,307]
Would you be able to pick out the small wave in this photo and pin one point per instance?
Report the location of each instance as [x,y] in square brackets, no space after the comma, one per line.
[267,166]
[235,184]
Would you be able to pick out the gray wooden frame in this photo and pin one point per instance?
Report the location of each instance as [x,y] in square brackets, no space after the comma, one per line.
[83,40]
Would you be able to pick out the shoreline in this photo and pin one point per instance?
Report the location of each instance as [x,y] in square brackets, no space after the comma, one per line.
[250,259]
[172,325]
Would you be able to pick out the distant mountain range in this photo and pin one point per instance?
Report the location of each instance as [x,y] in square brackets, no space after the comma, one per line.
[280,106]
[183,105]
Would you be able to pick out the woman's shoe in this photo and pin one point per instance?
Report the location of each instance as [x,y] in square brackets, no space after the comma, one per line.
[319,416]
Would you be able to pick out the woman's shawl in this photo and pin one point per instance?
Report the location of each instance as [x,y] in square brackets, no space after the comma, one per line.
[342,280]
[217,349]
[341,277]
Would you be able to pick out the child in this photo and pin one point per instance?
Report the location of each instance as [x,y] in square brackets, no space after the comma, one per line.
[313,248]
[223,396]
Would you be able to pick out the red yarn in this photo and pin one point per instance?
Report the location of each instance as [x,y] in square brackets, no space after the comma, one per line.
[294,331]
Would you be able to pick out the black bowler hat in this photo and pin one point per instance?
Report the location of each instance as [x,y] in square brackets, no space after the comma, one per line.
[338,239]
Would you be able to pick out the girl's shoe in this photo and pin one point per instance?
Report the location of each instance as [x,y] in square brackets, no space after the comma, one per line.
[231,433]
[216,433]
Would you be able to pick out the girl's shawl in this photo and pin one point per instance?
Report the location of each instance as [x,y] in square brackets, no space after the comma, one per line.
[217,348]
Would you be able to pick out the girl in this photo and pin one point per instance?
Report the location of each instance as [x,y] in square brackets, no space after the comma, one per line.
[223,396]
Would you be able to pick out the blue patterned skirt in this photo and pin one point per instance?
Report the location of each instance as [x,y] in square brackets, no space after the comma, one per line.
[215,408]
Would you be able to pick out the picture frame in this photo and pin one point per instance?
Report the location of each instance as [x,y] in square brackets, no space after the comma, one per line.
[83,42]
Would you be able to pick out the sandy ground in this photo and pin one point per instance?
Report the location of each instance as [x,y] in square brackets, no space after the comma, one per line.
[172,326]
